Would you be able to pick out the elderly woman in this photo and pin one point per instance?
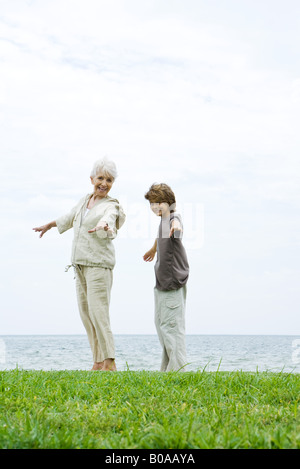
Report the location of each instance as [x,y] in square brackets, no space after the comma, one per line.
[95,219]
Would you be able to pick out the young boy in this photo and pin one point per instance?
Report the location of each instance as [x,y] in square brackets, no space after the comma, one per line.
[171,272]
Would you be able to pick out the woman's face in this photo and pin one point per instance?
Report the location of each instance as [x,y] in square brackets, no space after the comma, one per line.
[102,183]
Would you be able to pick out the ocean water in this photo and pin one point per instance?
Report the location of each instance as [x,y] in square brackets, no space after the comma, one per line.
[143,352]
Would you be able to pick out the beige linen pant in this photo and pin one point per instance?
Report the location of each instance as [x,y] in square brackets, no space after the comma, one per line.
[93,286]
[170,326]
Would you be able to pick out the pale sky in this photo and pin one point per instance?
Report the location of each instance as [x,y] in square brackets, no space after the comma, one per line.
[202,95]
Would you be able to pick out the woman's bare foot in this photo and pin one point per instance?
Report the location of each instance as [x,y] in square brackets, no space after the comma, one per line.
[98,366]
[109,365]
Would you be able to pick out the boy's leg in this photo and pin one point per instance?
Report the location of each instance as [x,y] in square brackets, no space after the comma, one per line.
[173,329]
[170,323]
[158,301]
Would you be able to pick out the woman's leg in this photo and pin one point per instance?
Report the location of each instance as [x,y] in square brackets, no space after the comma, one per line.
[81,290]
[99,284]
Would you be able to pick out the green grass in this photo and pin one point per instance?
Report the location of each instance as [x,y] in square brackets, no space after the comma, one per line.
[84,409]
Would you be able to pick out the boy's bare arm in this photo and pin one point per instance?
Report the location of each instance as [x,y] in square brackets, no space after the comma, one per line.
[175,227]
[149,255]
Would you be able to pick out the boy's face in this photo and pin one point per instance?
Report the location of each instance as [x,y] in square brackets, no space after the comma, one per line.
[161,210]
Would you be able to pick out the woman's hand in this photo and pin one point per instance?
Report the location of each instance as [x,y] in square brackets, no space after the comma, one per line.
[102,225]
[43,229]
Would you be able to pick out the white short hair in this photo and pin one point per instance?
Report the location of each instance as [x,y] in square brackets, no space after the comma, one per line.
[106,166]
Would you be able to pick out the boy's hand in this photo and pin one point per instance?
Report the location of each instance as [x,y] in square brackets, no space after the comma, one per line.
[149,256]
[175,227]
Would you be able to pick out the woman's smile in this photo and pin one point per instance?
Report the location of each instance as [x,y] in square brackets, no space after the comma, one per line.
[102,189]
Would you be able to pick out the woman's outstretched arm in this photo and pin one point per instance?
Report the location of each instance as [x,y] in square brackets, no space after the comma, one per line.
[44,228]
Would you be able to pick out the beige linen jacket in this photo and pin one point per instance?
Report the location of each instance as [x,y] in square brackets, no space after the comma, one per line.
[93,249]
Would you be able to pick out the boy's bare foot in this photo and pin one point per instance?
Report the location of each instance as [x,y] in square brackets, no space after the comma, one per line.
[98,366]
[109,365]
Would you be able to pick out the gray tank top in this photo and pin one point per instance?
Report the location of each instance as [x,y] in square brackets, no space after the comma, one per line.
[172,267]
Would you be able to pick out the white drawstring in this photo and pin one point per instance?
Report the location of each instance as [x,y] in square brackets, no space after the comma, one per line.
[75,266]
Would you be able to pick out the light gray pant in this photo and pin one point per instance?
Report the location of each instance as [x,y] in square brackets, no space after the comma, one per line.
[170,326]
[93,286]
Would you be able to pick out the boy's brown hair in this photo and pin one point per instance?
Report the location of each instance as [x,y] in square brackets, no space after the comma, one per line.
[159,193]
